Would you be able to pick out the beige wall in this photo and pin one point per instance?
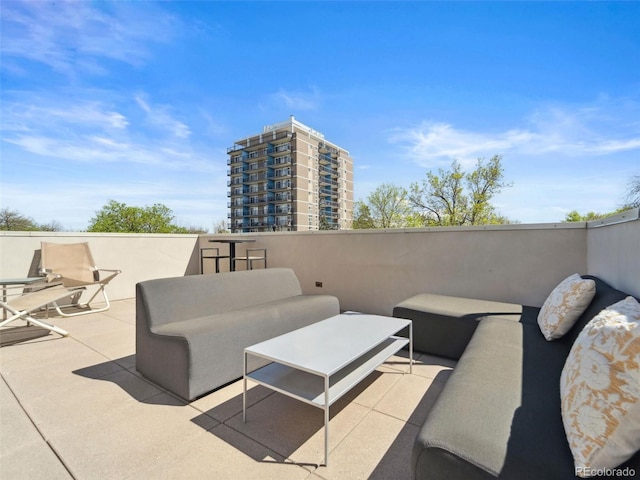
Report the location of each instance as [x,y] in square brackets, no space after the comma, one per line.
[140,257]
[614,251]
[371,271]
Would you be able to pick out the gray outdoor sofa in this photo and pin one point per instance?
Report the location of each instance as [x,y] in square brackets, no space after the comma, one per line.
[191,331]
[499,414]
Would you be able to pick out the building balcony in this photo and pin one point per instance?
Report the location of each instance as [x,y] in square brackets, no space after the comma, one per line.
[324,181]
[329,191]
[257,166]
[278,138]
[257,177]
[281,185]
[284,160]
[76,407]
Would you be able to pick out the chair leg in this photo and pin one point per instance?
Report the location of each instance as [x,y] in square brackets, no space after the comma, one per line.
[30,320]
[48,326]
[85,305]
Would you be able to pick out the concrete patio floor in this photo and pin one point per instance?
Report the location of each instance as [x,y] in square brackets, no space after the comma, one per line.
[76,407]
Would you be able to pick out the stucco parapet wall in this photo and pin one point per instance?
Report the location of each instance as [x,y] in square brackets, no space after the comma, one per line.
[397,231]
[97,234]
[627,216]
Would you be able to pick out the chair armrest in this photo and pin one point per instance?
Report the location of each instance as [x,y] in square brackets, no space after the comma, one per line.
[263,250]
[49,275]
[107,279]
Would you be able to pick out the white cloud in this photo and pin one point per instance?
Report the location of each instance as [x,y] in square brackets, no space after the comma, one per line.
[159,116]
[599,129]
[75,36]
[297,100]
[95,131]
[35,112]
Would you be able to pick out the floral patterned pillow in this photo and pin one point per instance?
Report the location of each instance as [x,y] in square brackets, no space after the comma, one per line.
[600,390]
[564,305]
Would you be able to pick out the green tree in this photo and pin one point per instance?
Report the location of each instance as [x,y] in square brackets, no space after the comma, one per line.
[442,200]
[13,220]
[52,226]
[632,200]
[325,224]
[220,227]
[633,196]
[385,207]
[362,216]
[575,216]
[119,217]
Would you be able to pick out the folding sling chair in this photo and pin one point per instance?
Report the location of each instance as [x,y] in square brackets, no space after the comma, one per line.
[73,265]
[22,307]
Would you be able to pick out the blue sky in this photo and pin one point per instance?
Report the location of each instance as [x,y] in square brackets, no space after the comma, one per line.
[138,101]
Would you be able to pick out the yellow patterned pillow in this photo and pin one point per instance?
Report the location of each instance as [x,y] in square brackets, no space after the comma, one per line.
[564,305]
[600,390]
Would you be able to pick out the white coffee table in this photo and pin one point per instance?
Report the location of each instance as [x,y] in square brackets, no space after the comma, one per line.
[319,363]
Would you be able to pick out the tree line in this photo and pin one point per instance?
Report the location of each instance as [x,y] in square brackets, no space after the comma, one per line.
[631,200]
[115,217]
[448,198]
[454,198]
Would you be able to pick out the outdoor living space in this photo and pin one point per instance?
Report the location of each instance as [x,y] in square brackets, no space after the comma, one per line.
[76,407]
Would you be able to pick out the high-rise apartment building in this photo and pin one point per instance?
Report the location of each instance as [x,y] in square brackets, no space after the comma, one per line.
[289,177]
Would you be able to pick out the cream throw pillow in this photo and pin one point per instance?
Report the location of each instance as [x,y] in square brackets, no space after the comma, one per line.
[600,390]
[564,305]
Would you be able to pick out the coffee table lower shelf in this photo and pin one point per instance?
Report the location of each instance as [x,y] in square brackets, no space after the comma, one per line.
[310,387]
[319,389]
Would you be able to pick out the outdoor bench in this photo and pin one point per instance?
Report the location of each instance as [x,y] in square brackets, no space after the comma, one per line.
[499,414]
[191,331]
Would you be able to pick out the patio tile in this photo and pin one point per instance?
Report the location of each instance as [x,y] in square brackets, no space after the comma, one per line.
[24,453]
[129,439]
[46,350]
[86,326]
[105,420]
[378,448]
[430,366]
[411,399]
[57,412]
[121,310]
[227,402]
[20,333]
[128,362]
[48,377]
[221,453]
[400,361]
[113,344]
[295,429]
[373,388]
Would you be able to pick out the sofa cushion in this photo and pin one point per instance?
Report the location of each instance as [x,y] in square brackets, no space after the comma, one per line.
[600,389]
[215,343]
[605,296]
[167,300]
[564,305]
[499,414]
